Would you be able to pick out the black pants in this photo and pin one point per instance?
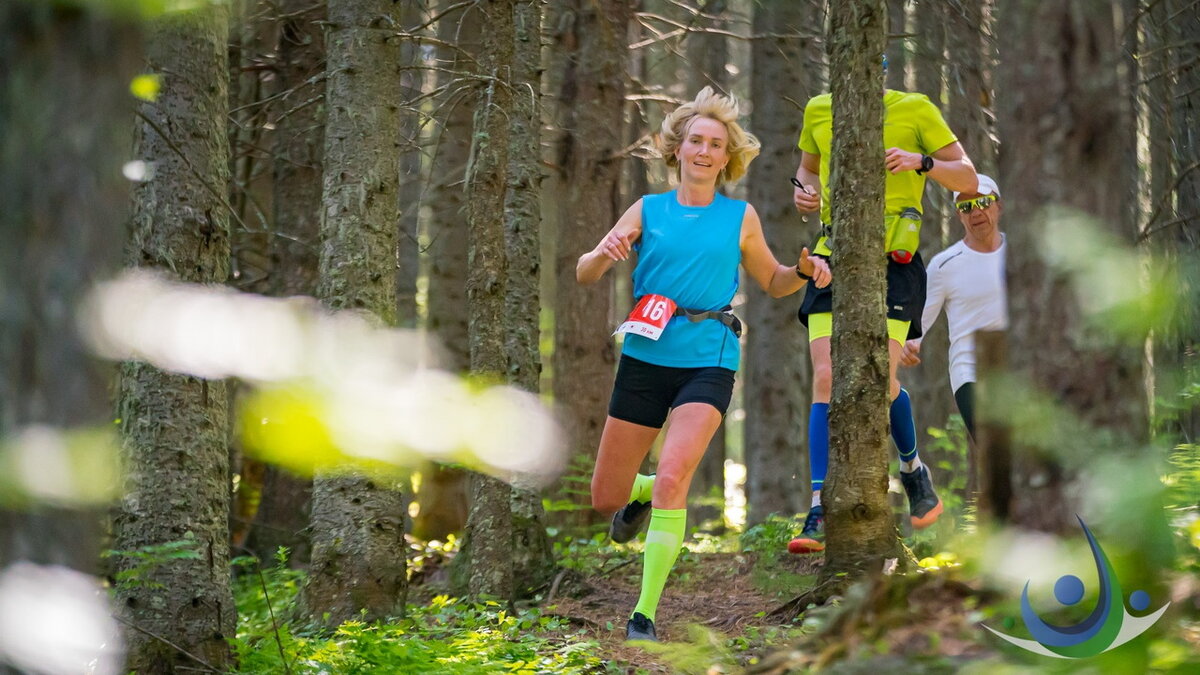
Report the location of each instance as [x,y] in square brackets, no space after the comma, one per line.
[964,396]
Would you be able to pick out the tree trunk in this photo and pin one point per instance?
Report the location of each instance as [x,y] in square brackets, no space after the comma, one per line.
[860,530]
[175,427]
[778,381]
[898,56]
[284,508]
[443,493]
[592,42]
[707,56]
[65,203]
[489,524]
[1068,142]
[1175,152]
[933,401]
[411,187]
[358,557]
[533,558]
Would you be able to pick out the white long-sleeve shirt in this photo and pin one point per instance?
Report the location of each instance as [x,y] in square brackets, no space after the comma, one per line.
[970,285]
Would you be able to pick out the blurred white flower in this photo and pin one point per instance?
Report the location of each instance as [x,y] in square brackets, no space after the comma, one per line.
[54,620]
[332,386]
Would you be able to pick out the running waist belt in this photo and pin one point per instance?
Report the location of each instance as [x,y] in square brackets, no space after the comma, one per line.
[725,316]
[902,235]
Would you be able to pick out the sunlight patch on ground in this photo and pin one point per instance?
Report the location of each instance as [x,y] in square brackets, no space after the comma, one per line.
[735,494]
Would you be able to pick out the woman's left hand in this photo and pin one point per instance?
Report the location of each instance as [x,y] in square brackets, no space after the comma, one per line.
[815,267]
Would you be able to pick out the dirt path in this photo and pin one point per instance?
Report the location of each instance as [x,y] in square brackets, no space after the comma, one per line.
[721,592]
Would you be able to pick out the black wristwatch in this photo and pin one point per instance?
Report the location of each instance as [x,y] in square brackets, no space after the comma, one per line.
[802,275]
[926,165]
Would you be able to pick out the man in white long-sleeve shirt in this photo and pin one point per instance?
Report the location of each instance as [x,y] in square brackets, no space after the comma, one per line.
[968,280]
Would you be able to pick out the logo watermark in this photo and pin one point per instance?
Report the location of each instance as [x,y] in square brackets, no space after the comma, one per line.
[1108,626]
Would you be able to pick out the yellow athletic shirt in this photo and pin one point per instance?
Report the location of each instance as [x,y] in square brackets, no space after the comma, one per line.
[910,122]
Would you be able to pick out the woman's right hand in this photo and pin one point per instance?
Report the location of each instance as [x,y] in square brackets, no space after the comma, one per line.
[615,245]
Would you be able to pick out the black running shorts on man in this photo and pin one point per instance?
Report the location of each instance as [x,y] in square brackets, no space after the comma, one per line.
[645,393]
[905,295]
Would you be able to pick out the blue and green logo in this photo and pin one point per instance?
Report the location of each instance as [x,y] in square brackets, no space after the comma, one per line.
[1108,626]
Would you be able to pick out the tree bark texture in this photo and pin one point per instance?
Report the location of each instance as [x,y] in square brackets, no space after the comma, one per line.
[358,557]
[898,55]
[1175,142]
[533,558]
[283,512]
[859,525]
[251,92]
[489,523]
[591,40]
[707,55]
[443,494]
[411,185]
[65,201]
[299,148]
[1068,142]
[778,379]
[928,385]
[175,427]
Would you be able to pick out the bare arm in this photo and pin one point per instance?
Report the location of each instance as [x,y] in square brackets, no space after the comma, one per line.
[952,169]
[935,298]
[776,279]
[614,247]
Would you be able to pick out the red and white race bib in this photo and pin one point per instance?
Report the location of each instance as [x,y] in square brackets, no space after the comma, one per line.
[649,317]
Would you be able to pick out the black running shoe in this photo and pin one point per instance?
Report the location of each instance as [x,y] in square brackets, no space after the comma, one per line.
[640,628]
[627,522]
[812,537]
[923,503]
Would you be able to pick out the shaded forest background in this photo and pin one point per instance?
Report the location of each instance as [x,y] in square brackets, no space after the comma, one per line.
[439,167]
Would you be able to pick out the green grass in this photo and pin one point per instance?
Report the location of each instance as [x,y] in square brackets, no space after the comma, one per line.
[445,636]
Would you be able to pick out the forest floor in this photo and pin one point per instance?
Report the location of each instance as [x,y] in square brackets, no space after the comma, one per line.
[720,613]
[716,616]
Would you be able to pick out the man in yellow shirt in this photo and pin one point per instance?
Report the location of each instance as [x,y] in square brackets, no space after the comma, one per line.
[919,145]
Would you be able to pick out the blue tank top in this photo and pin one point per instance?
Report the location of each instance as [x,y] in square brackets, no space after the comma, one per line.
[689,254]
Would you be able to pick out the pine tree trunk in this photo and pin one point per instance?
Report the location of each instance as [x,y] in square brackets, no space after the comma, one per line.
[859,525]
[898,57]
[1178,143]
[443,492]
[65,202]
[411,185]
[928,385]
[358,557]
[489,524]
[778,380]
[708,54]
[175,427]
[592,41]
[283,511]
[1068,142]
[533,558]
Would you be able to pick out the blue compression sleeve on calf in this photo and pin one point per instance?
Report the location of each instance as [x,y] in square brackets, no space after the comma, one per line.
[818,443]
[904,429]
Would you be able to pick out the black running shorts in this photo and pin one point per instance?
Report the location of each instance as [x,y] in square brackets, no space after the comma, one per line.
[645,393]
[905,295]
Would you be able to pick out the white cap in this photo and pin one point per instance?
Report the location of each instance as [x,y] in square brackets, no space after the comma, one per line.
[987,186]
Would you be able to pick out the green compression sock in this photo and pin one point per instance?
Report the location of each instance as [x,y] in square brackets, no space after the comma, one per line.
[663,539]
[643,488]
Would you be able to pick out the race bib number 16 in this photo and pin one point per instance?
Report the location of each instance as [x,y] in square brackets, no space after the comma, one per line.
[649,317]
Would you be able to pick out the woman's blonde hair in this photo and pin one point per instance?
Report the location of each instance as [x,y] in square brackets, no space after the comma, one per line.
[742,148]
